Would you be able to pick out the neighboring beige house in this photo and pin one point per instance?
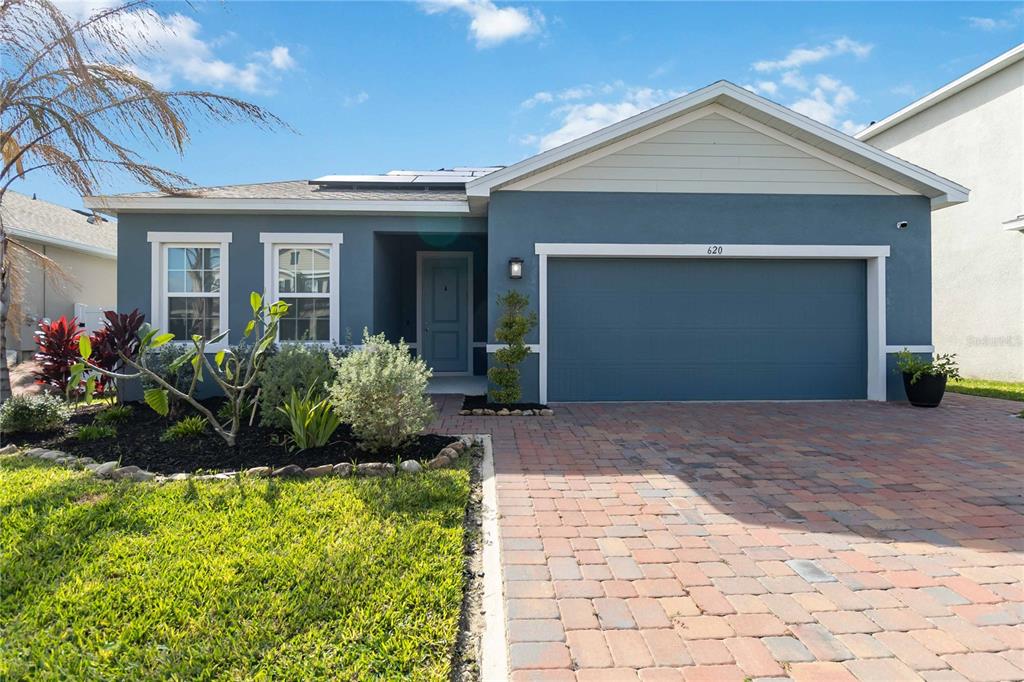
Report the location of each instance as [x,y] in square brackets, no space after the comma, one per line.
[972,131]
[84,246]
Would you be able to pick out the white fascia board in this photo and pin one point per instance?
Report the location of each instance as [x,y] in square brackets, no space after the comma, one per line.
[1014,223]
[711,250]
[50,240]
[945,92]
[114,204]
[946,191]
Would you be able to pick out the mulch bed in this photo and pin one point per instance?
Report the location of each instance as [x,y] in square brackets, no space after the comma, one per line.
[480,402]
[138,442]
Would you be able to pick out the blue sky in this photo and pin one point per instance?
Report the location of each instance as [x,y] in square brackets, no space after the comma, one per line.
[375,86]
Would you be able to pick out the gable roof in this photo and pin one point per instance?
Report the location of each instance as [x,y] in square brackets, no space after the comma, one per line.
[49,223]
[945,92]
[941,191]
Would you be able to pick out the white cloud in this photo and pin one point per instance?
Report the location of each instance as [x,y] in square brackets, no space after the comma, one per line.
[169,49]
[489,24]
[1011,20]
[905,89]
[355,100]
[802,56]
[767,88]
[583,109]
[795,80]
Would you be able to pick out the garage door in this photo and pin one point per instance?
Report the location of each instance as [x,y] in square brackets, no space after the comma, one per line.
[706,329]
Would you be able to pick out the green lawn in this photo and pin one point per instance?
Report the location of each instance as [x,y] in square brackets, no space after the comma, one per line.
[322,579]
[1009,390]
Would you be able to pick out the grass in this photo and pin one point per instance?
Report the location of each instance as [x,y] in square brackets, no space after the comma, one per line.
[1008,390]
[329,578]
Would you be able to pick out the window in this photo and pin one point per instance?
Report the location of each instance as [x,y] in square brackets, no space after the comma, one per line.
[302,270]
[190,283]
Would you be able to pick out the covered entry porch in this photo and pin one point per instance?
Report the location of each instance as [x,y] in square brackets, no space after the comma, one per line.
[431,290]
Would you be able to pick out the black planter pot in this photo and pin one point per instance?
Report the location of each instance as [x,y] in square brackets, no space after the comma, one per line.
[927,391]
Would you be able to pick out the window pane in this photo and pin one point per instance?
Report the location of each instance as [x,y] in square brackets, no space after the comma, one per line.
[193,315]
[193,269]
[308,319]
[303,270]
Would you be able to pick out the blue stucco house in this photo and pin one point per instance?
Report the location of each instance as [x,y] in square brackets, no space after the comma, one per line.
[716,247]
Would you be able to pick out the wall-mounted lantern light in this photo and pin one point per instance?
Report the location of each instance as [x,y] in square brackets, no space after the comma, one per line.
[515,268]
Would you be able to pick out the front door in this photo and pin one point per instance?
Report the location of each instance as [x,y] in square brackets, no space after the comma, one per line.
[444,326]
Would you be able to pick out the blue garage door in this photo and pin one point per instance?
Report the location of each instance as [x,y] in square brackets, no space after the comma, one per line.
[706,329]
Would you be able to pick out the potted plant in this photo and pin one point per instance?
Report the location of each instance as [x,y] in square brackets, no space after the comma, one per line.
[925,380]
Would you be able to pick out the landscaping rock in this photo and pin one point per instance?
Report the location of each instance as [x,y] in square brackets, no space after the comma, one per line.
[478,412]
[105,470]
[132,473]
[546,412]
[52,455]
[288,471]
[343,469]
[83,462]
[9,449]
[449,452]
[92,467]
[503,412]
[258,472]
[439,462]
[489,413]
[457,445]
[527,413]
[516,413]
[317,472]
[465,412]
[375,469]
[179,477]
[35,452]
[65,461]
[411,466]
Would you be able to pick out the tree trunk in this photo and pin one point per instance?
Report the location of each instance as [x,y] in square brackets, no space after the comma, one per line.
[5,296]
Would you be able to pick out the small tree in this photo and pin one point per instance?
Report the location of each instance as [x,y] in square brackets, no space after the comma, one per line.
[235,370]
[513,326]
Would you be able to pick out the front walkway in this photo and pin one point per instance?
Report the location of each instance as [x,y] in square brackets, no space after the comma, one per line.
[814,541]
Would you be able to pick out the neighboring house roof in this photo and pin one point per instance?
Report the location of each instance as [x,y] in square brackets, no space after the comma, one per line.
[941,191]
[466,191]
[49,223]
[945,92]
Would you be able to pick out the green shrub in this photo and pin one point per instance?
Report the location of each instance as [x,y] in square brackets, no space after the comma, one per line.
[512,328]
[115,414]
[161,361]
[33,413]
[942,365]
[224,411]
[312,422]
[296,366]
[381,391]
[95,432]
[189,427]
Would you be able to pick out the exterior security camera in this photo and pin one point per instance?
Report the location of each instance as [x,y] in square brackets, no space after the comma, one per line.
[902,225]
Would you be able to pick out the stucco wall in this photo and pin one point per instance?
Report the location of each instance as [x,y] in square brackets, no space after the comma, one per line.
[976,138]
[518,220]
[93,282]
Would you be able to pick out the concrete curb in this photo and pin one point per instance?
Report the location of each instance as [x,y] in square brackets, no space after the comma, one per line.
[493,643]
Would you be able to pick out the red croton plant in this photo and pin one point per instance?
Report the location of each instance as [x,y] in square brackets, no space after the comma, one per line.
[58,347]
[58,351]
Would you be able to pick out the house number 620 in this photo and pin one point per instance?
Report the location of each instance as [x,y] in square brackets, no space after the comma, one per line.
[715,250]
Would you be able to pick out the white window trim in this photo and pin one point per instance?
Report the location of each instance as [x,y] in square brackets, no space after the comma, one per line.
[333,240]
[159,243]
[874,255]
[468,255]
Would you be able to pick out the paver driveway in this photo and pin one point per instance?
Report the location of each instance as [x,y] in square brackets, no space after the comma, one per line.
[814,541]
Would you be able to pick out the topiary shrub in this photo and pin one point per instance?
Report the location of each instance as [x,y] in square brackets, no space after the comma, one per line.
[299,367]
[512,328]
[33,413]
[381,391]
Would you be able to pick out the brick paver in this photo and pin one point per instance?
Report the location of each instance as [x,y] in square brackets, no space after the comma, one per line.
[803,541]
